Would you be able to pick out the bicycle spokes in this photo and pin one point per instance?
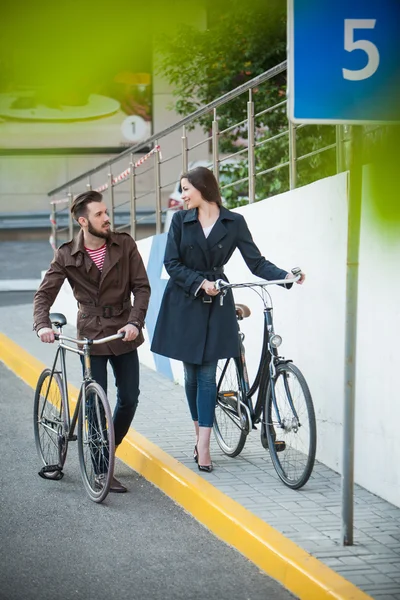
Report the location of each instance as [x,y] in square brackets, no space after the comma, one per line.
[231,422]
[48,419]
[95,439]
[290,426]
[96,442]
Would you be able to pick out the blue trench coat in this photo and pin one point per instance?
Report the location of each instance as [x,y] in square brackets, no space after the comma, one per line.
[188,329]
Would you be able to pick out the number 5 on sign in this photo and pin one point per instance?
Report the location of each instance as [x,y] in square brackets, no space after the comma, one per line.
[350,25]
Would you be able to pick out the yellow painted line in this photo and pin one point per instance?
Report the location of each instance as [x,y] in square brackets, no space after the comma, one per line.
[299,572]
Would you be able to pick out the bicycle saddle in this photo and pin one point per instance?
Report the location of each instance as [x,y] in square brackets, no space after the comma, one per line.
[242,311]
[58,319]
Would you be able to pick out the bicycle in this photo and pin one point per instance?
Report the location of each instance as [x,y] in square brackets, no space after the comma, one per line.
[284,405]
[54,428]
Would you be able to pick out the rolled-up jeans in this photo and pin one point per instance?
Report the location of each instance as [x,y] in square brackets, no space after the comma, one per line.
[201,391]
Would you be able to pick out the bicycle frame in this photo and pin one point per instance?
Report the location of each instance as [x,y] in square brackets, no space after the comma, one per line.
[263,371]
[70,423]
[266,371]
[92,420]
[279,385]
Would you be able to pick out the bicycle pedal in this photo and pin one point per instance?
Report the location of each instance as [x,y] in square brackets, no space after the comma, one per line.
[280,446]
[73,438]
[53,472]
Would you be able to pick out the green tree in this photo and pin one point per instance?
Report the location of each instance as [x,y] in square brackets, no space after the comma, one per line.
[240,42]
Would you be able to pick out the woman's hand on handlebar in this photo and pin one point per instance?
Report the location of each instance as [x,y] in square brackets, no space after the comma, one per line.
[209,288]
[297,273]
[302,279]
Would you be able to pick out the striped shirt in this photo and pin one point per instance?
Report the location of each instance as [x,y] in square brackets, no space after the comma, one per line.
[98,256]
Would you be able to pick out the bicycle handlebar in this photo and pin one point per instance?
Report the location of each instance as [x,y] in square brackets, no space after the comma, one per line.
[109,338]
[220,284]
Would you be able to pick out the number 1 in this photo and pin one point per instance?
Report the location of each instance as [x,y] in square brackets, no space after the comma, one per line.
[369,48]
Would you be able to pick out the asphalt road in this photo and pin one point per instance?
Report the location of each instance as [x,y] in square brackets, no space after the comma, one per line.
[24,260]
[16,298]
[57,544]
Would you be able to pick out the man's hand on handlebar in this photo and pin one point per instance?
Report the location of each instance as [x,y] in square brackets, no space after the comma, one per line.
[46,335]
[131,332]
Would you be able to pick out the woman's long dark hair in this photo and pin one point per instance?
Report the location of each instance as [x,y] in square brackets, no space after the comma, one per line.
[203,180]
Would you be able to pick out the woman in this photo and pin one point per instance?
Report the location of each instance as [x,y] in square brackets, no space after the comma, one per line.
[192,325]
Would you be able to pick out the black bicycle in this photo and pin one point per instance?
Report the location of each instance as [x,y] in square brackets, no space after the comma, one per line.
[284,407]
[54,428]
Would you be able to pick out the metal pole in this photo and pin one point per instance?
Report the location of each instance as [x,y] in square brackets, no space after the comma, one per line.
[158,191]
[184,150]
[292,156]
[111,196]
[353,243]
[215,148]
[70,219]
[133,197]
[54,225]
[340,166]
[251,157]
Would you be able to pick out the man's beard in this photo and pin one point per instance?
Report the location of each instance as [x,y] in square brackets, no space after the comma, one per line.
[98,232]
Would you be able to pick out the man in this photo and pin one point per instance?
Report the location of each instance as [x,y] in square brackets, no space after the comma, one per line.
[103,269]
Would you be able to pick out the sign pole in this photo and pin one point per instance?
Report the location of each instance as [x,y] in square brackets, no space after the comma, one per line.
[353,245]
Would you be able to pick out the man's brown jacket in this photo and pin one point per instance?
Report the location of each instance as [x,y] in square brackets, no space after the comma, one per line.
[104,298]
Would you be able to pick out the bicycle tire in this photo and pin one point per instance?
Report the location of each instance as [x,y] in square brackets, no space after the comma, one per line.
[230,430]
[48,419]
[96,447]
[292,442]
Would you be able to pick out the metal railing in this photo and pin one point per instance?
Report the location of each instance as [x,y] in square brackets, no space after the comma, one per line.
[150,180]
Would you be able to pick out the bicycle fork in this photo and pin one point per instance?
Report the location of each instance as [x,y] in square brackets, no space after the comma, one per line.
[293,423]
[243,410]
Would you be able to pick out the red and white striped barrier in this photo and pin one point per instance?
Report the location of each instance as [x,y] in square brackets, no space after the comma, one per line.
[119,178]
[125,174]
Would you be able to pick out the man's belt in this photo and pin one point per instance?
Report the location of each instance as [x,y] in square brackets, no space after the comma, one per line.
[107,311]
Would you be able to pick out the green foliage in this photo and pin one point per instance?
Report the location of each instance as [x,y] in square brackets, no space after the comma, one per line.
[239,43]
[380,150]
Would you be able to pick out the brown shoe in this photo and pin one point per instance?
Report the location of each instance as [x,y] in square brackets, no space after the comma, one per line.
[117,487]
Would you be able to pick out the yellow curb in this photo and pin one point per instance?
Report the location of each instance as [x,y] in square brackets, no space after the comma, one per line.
[299,572]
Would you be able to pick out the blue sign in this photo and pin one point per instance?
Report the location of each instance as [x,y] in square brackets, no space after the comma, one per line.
[344,61]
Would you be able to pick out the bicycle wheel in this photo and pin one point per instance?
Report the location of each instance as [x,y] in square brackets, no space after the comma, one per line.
[48,420]
[291,435]
[96,446]
[229,428]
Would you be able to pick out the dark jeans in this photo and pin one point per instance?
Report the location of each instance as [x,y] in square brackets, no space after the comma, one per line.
[201,391]
[126,373]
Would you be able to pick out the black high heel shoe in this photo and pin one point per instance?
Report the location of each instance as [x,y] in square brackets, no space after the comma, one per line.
[195,454]
[205,468]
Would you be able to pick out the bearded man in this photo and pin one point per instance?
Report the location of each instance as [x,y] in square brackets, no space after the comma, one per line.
[103,269]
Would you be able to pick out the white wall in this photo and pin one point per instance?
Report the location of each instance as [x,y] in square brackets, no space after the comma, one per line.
[307,227]
[378,355]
